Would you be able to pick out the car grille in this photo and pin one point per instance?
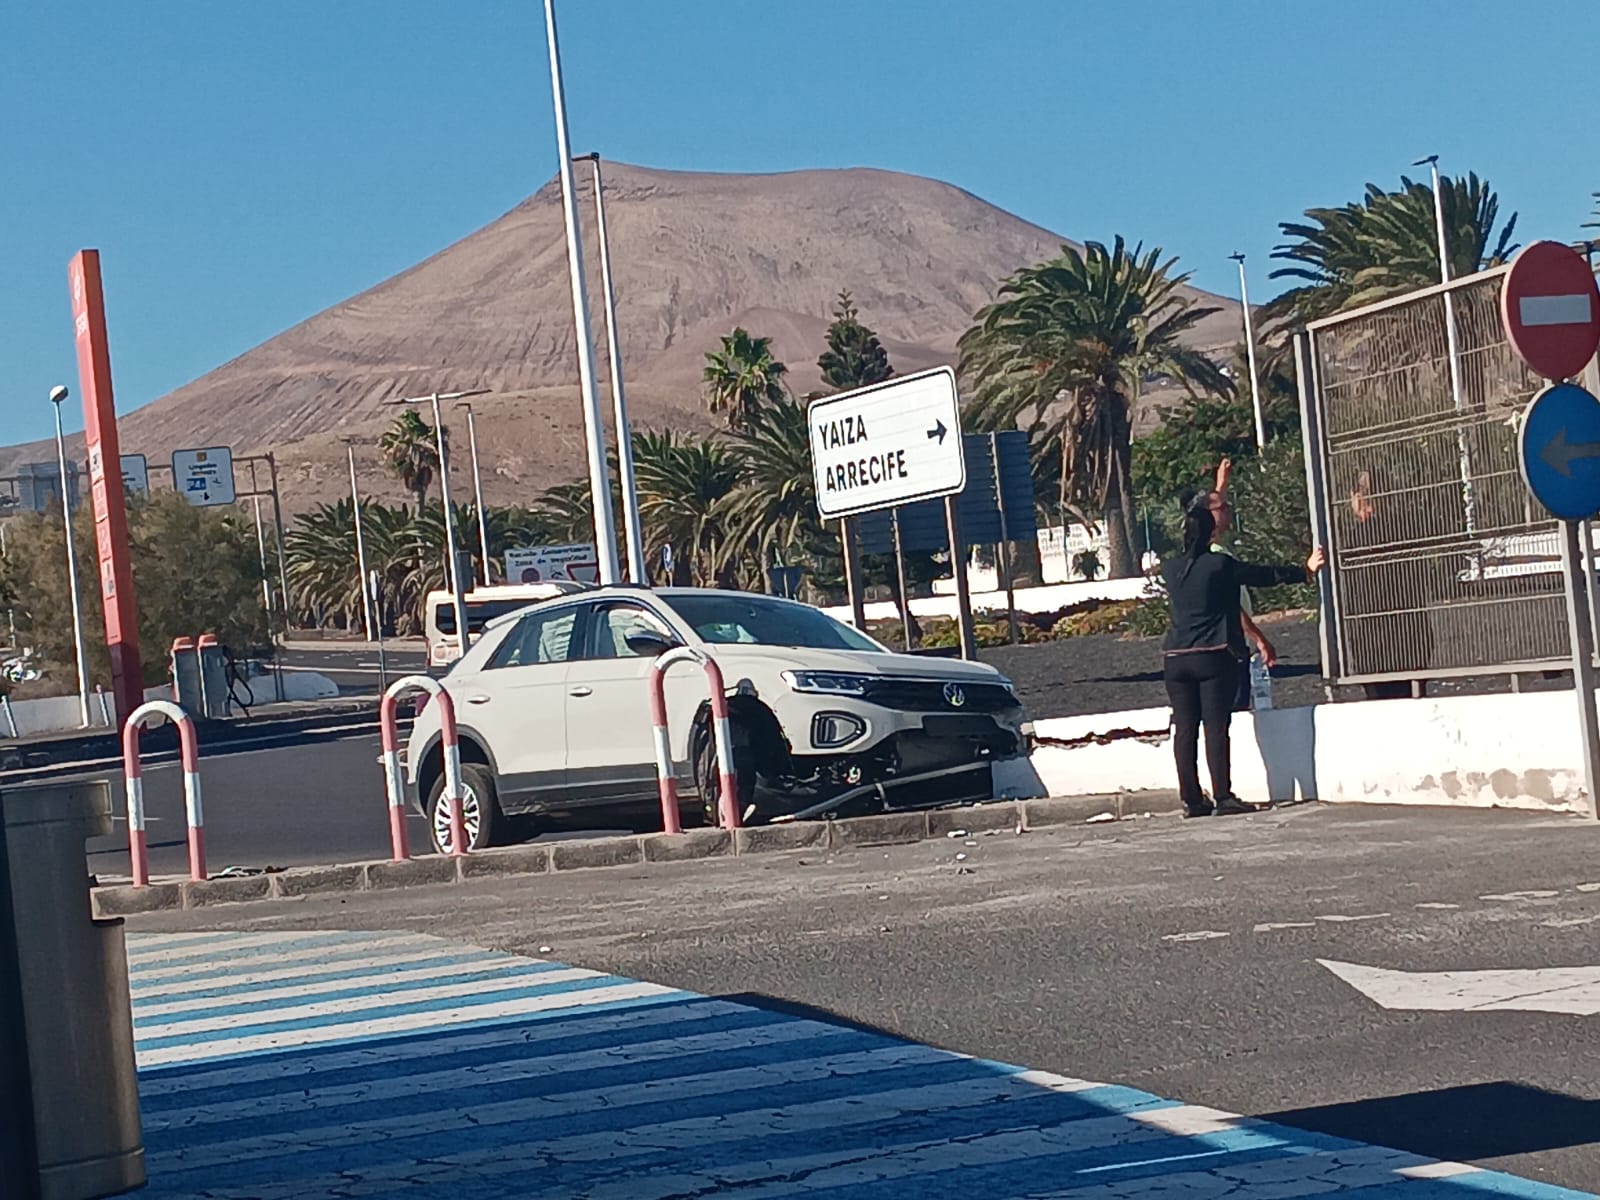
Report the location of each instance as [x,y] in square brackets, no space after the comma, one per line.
[922,695]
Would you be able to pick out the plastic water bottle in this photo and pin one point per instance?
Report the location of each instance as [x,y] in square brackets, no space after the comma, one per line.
[1260,684]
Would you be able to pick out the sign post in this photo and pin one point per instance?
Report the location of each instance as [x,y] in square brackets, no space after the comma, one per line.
[110,502]
[204,477]
[885,446]
[1551,311]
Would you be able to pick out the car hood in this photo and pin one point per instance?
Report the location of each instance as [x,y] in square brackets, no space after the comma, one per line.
[739,658]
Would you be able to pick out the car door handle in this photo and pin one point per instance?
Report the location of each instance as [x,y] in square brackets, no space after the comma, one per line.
[477,699]
[581,692]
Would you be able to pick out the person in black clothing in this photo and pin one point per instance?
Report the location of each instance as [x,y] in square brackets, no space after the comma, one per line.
[1203,649]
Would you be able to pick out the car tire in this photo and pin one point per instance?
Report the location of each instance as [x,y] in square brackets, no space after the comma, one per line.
[482,810]
[708,778]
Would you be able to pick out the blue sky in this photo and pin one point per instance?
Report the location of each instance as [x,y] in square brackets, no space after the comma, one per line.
[241,167]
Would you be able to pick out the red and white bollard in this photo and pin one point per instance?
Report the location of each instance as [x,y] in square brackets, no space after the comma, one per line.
[455,791]
[138,848]
[722,738]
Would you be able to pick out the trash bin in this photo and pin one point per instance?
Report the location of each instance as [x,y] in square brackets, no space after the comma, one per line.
[69,1097]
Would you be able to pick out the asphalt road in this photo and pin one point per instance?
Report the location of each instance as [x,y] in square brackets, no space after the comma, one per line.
[356,668]
[1181,957]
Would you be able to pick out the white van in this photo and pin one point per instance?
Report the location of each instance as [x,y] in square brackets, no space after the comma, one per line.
[484,604]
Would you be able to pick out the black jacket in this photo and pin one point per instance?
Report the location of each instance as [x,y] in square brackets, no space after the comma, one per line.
[1205,599]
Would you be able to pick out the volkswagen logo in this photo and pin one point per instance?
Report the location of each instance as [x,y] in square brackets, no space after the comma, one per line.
[954,695]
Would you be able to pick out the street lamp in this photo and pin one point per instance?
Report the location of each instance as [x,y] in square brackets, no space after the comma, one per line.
[1452,348]
[630,491]
[605,535]
[457,591]
[361,542]
[57,395]
[477,492]
[1250,353]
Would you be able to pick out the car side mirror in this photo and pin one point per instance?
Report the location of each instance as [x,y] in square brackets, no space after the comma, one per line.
[650,645]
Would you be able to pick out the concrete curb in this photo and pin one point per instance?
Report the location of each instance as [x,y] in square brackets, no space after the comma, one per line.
[885,829]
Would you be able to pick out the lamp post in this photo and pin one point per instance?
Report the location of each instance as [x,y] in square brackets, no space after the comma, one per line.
[1250,353]
[57,395]
[361,545]
[1452,348]
[477,492]
[605,534]
[631,523]
[453,568]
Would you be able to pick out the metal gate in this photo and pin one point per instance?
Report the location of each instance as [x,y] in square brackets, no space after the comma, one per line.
[1441,564]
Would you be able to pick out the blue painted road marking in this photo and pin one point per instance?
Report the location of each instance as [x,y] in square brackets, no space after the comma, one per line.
[395,1065]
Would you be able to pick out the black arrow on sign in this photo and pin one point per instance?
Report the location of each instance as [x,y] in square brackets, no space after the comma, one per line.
[938,431]
[1559,454]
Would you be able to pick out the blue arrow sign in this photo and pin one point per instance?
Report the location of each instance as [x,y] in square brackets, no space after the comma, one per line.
[1560,451]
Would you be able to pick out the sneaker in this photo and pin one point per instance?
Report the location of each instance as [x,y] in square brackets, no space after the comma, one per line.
[1233,806]
[1204,810]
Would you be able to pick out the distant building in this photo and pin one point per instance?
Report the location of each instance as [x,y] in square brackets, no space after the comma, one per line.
[38,486]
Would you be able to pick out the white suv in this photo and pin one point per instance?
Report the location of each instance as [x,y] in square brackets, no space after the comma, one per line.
[553,710]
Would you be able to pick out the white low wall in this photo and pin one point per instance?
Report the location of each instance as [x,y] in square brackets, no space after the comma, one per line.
[1499,751]
[1029,600]
[50,715]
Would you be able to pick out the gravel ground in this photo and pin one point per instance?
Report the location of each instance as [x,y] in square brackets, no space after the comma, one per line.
[1105,673]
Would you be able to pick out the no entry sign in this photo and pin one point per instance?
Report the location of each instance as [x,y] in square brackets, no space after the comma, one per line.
[1551,309]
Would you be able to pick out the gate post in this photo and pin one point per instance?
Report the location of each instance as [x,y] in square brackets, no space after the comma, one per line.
[721,736]
[138,847]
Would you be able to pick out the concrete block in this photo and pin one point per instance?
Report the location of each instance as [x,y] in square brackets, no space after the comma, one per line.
[125,900]
[314,881]
[690,844]
[415,872]
[772,839]
[976,818]
[886,829]
[1068,810]
[595,852]
[506,860]
[233,889]
[1153,800]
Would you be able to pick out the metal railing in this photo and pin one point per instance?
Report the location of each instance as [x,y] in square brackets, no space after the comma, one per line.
[1441,562]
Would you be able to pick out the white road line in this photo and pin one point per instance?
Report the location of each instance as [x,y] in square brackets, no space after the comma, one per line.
[365,1027]
[1338,918]
[1274,926]
[1541,895]
[1198,935]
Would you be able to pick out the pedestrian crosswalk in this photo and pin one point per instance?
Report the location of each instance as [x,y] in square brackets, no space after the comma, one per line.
[310,1066]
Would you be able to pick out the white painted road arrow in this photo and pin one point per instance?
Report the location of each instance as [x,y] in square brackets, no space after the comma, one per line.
[1572,990]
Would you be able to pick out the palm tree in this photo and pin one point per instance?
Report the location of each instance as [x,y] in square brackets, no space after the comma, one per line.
[1063,353]
[1385,245]
[412,452]
[771,517]
[742,377]
[683,481]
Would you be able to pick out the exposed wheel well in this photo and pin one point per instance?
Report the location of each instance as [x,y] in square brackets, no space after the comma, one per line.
[433,764]
[755,725]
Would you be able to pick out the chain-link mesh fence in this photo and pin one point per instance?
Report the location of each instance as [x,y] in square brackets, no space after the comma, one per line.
[1441,562]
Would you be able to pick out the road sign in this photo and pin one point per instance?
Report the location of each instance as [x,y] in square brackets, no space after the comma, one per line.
[1559,448]
[135,474]
[538,564]
[1551,309]
[204,477]
[887,444]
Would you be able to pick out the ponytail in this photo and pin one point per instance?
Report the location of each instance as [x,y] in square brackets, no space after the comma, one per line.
[1199,523]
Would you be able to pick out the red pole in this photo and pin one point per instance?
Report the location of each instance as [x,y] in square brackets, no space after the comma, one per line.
[665,778]
[393,779]
[138,848]
[727,776]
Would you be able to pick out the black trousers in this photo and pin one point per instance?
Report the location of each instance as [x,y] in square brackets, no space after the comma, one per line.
[1201,687]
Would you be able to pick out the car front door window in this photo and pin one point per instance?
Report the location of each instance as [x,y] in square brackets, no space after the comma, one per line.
[539,638]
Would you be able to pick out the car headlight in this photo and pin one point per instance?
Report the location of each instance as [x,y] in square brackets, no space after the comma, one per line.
[827,683]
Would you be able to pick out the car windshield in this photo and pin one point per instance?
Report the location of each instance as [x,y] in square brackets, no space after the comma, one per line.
[730,619]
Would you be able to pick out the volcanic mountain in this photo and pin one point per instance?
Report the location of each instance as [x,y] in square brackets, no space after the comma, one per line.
[693,254]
